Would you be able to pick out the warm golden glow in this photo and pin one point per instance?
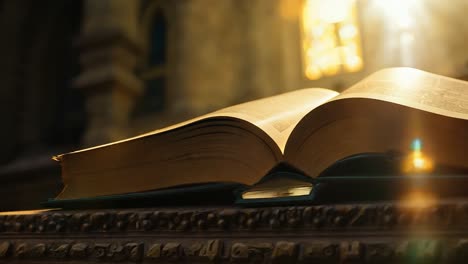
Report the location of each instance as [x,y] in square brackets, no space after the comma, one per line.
[417,162]
[28,212]
[277,193]
[331,39]
[404,21]
[419,199]
[289,9]
[399,11]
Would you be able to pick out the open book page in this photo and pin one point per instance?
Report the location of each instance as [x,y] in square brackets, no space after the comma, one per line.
[385,112]
[237,144]
[416,89]
[278,115]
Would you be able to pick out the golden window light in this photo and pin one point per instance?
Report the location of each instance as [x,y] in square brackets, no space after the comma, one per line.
[331,38]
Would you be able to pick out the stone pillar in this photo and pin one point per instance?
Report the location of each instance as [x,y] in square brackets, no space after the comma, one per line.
[209,53]
[290,12]
[110,46]
[265,51]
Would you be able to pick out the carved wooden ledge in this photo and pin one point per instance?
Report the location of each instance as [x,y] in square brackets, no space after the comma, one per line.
[360,233]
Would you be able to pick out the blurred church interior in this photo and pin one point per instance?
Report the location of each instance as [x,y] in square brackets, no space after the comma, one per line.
[77,73]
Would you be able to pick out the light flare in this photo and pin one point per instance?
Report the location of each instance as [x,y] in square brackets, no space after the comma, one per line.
[28,212]
[277,193]
[419,199]
[400,12]
[417,162]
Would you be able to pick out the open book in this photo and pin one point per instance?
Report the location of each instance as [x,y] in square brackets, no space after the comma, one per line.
[308,129]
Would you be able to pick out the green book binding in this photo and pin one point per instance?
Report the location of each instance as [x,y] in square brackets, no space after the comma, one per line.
[195,195]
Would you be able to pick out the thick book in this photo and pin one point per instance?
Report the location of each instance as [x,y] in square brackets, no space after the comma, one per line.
[308,129]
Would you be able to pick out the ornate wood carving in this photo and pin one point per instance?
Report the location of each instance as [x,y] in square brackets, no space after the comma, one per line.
[339,217]
[367,233]
[217,250]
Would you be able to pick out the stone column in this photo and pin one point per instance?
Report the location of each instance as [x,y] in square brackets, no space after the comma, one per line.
[209,54]
[265,51]
[109,46]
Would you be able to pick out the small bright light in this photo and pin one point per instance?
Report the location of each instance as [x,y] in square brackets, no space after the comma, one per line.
[417,162]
